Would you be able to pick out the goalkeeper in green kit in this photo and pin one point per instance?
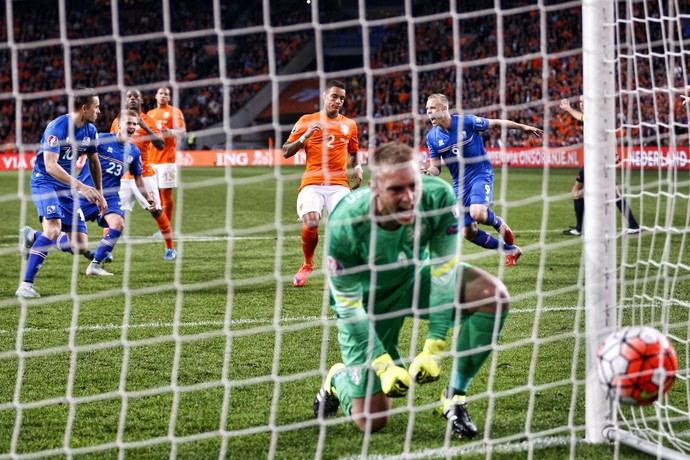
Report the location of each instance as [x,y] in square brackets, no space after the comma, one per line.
[392,253]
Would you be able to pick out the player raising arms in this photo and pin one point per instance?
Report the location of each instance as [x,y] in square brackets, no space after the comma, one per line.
[328,137]
[53,180]
[458,141]
[170,123]
[147,139]
[392,253]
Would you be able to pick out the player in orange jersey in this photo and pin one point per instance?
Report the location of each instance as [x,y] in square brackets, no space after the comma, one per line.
[330,142]
[170,122]
[147,137]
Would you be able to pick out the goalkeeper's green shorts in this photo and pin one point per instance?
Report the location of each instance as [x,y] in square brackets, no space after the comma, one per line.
[388,332]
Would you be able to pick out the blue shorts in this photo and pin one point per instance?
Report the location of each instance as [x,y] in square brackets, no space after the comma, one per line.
[90,210]
[48,198]
[73,220]
[479,190]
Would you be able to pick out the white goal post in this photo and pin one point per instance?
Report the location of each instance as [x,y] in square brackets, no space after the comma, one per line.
[599,237]
[613,58]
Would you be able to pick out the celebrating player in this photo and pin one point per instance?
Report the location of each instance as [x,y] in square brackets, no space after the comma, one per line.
[169,122]
[147,139]
[458,141]
[392,253]
[117,156]
[53,181]
[578,190]
[327,137]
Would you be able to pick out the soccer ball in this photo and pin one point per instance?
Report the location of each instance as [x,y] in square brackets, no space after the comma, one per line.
[636,365]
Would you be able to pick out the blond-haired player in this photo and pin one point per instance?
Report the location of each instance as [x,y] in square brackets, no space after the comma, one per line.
[148,138]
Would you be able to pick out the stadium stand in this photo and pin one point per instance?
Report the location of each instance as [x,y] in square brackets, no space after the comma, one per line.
[94,63]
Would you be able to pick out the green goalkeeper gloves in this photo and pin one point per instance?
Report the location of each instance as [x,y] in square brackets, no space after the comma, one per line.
[426,367]
[395,380]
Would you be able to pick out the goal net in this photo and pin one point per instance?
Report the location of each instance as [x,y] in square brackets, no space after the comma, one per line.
[216,354]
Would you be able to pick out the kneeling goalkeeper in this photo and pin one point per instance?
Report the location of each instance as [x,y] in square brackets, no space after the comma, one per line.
[392,253]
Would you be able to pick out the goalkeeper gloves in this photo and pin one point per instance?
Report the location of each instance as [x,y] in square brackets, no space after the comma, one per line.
[426,367]
[395,380]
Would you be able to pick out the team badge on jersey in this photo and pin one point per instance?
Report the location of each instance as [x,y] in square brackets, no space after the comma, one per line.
[52,141]
[355,374]
[50,209]
[345,129]
[334,267]
[86,141]
[455,209]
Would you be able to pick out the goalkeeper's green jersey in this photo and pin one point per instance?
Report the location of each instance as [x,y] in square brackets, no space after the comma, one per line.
[410,270]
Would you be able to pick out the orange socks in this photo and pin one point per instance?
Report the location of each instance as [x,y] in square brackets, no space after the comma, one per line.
[167,203]
[166,232]
[310,238]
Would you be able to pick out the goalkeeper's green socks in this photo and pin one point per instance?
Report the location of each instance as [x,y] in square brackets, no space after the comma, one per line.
[476,331]
[343,390]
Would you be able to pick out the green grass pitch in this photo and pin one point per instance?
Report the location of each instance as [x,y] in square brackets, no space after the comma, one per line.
[222,339]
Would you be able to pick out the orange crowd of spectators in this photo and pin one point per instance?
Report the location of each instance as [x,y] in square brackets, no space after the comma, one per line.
[471,74]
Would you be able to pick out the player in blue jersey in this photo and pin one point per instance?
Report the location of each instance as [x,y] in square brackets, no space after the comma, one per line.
[53,179]
[458,141]
[117,156]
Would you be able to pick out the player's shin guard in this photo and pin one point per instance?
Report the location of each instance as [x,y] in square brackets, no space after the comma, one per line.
[167,202]
[343,387]
[485,240]
[477,331]
[38,255]
[493,220]
[310,238]
[61,243]
[166,231]
[106,245]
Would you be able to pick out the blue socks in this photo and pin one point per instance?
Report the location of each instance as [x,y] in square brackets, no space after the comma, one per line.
[39,252]
[487,241]
[493,220]
[106,245]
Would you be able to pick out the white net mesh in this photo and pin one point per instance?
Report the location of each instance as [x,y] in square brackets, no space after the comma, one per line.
[216,354]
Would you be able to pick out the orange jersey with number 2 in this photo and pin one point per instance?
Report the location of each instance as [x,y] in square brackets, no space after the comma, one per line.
[327,149]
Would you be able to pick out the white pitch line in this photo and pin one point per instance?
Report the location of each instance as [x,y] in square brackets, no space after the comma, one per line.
[155,325]
[11,241]
[483,449]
